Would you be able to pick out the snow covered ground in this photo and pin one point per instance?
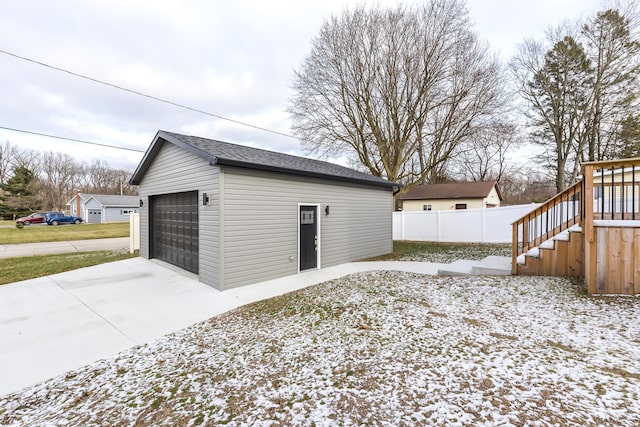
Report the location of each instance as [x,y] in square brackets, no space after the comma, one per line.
[449,252]
[382,348]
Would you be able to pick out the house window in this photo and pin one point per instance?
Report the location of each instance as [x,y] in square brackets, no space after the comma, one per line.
[127,211]
[426,207]
[306,217]
[461,206]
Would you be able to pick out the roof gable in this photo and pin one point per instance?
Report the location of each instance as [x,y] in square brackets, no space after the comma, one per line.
[452,190]
[83,198]
[227,154]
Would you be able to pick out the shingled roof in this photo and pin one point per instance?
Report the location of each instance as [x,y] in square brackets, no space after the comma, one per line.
[227,154]
[115,200]
[109,200]
[451,190]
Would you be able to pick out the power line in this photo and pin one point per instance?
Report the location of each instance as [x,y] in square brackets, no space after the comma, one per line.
[72,139]
[155,98]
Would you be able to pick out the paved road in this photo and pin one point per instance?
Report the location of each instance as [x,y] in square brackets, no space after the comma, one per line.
[44,248]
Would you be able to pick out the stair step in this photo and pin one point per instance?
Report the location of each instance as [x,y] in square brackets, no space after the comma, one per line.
[489,266]
[493,266]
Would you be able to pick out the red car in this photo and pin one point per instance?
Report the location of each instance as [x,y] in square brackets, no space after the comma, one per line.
[34,218]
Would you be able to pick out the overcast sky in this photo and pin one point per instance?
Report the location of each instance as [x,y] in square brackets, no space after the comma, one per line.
[230,58]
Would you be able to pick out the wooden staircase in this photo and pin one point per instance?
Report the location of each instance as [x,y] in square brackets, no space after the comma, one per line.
[590,230]
[560,256]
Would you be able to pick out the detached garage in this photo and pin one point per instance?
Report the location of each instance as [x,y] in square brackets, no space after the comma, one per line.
[237,215]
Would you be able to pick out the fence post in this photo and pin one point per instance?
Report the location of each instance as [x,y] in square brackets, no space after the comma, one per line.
[482,224]
[586,222]
[134,232]
[402,224]
[437,225]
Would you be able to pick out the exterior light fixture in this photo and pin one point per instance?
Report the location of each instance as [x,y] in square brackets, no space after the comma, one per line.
[326,210]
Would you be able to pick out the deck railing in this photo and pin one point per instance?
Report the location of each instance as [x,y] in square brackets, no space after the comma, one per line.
[612,190]
[609,190]
[547,220]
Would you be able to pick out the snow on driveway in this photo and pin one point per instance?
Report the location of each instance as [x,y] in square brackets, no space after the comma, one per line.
[382,348]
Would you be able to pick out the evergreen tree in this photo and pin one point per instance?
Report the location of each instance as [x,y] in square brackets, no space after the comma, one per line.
[20,193]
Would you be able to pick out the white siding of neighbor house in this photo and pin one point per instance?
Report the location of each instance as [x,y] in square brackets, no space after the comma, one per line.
[492,198]
[260,218]
[175,170]
[109,214]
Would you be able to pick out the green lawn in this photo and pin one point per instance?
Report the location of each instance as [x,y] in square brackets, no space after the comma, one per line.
[50,233]
[23,268]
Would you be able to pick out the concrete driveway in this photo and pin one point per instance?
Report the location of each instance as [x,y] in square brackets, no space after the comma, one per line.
[54,324]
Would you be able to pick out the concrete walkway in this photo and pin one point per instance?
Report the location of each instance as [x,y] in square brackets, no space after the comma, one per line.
[45,248]
[54,324]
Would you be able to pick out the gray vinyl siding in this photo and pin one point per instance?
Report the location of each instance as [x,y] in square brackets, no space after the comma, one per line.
[261,223]
[175,170]
[114,214]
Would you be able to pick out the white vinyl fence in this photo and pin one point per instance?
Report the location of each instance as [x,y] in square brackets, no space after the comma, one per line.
[470,225]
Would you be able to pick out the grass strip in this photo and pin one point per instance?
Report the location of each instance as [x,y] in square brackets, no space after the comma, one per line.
[24,268]
[60,233]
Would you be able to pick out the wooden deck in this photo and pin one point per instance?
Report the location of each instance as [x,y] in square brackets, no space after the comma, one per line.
[590,230]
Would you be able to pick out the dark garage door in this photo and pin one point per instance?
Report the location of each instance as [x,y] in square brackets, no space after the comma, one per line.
[174,229]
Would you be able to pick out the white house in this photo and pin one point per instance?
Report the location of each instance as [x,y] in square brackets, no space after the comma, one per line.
[103,208]
[452,196]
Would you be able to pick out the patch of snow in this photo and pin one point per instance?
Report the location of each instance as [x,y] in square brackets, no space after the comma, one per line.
[547,244]
[381,348]
[616,223]
[534,252]
[563,235]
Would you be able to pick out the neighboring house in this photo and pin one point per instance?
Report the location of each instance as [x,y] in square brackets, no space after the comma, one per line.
[103,208]
[237,215]
[453,195]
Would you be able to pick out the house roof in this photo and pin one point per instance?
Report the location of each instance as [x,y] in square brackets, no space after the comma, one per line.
[451,190]
[227,154]
[115,200]
[109,200]
[83,196]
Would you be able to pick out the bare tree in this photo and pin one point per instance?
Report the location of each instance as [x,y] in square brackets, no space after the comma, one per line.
[100,178]
[397,89]
[25,158]
[526,186]
[6,160]
[60,176]
[97,177]
[485,157]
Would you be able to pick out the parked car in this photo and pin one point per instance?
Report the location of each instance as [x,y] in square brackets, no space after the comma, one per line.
[34,218]
[57,218]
